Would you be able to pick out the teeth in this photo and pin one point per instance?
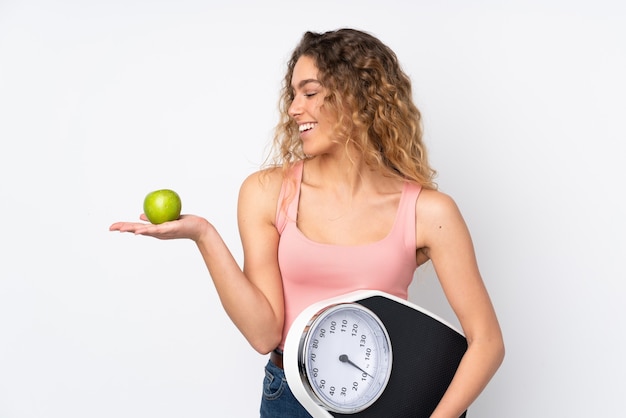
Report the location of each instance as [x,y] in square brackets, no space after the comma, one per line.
[306,126]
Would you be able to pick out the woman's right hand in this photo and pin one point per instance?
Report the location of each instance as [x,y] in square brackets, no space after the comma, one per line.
[187,226]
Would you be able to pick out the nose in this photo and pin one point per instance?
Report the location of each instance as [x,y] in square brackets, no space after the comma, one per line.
[295,108]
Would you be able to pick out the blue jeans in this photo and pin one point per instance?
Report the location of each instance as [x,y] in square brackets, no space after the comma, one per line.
[278,401]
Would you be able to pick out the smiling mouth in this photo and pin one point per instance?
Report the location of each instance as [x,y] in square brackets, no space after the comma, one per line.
[306,127]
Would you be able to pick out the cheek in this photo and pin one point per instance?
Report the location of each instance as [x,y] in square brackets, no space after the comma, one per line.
[326,114]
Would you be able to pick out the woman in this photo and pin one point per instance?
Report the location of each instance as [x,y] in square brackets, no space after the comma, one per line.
[350,203]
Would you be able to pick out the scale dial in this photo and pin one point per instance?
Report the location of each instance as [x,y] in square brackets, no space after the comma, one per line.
[345,358]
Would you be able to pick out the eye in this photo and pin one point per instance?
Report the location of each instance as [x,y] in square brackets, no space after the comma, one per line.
[310,94]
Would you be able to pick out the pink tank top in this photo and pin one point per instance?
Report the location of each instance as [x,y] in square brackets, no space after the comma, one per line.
[313,271]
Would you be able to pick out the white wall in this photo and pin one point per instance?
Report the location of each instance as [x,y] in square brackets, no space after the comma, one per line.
[101,102]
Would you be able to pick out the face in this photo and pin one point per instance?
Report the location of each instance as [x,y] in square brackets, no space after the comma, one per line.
[307,110]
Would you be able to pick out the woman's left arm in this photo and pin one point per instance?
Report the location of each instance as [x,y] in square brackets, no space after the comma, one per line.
[443,237]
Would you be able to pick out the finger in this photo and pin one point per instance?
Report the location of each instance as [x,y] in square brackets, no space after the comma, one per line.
[126,226]
[116,226]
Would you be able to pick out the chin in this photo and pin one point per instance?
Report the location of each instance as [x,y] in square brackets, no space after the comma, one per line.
[309,152]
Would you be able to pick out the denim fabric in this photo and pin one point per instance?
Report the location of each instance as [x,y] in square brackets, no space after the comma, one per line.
[278,401]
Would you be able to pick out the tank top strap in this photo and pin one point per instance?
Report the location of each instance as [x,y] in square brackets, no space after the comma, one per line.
[289,196]
[406,214]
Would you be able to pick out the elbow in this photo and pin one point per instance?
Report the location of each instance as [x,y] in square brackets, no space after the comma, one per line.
[498,347]
[492,348]
[264,348]
[266,343]
[497,351]
[501,352]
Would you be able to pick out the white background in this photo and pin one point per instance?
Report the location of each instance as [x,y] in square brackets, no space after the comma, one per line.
[104,101]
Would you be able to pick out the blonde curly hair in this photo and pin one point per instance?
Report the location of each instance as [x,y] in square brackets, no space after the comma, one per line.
[362,75]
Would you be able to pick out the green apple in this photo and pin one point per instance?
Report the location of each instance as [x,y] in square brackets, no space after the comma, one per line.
[162,205]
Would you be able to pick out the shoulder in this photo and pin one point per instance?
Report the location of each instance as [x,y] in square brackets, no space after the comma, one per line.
[258,195]
[437,215]
[433,204]
[263,181]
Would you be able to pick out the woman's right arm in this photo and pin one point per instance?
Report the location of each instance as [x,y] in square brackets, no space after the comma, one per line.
[252,296]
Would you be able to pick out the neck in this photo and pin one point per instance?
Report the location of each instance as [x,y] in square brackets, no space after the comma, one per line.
[344,174]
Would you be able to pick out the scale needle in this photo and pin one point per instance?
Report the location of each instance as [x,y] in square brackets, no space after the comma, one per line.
[345,359]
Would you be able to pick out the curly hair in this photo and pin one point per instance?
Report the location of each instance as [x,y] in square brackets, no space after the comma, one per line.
[372,97]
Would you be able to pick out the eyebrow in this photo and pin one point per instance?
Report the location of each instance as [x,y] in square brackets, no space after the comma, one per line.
[303,83]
